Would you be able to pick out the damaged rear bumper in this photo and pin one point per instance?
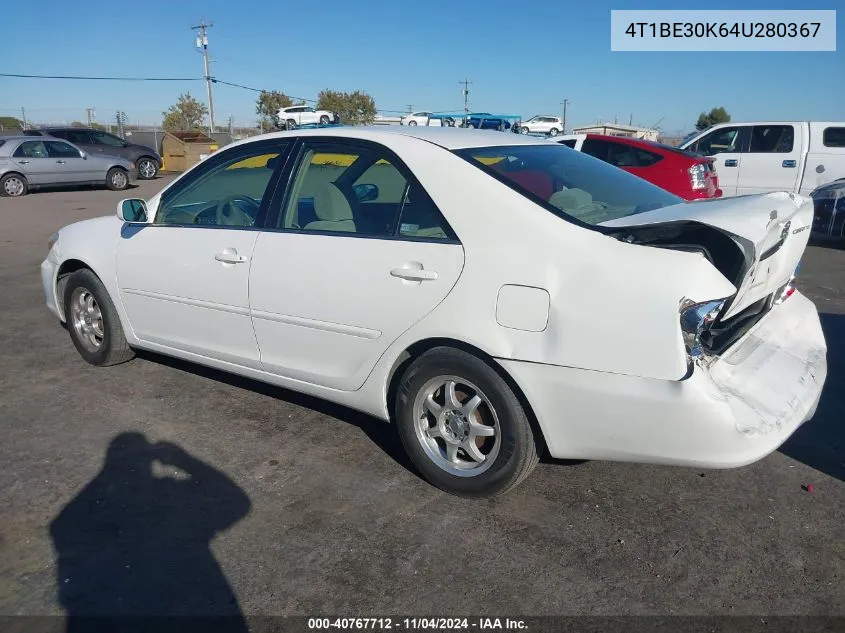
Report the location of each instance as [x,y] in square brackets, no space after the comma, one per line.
[730,412]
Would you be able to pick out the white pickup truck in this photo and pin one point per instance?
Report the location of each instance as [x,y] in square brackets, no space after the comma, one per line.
[758,157]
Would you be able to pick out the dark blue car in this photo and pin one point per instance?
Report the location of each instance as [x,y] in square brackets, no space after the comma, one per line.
[487,121]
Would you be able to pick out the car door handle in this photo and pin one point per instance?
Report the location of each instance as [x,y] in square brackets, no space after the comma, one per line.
[730,162]
[230,256]
[24,162]
[60,162]
[413,274]
[788,163]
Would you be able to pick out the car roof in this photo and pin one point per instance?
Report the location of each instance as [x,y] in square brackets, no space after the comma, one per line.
[446,137]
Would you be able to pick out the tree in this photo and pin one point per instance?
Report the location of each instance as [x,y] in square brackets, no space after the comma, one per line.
[186,114]
[267,107]
[716,115]
[353,108]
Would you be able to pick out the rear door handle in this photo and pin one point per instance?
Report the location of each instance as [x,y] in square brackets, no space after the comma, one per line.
[230,256]
[24,162]
[414,274]
[730,162]
[60,162]
[789,163]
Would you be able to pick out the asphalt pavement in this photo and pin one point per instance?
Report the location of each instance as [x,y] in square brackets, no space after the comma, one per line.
[285,504]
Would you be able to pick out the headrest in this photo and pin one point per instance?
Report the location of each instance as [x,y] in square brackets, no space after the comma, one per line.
[331,205]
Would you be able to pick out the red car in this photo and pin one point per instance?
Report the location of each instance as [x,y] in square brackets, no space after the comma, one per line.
[688,175]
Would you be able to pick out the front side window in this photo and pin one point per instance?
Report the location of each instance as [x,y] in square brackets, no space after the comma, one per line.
[58,149]
[361,190]
[103,138]
[772,139]
[230,191]
[569,184]
[31,149]
[725,139]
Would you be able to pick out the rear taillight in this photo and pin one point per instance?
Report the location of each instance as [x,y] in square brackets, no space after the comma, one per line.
[698,176]
[696,318]
[787,290]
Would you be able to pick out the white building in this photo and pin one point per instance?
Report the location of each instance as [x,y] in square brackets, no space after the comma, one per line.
[617,129]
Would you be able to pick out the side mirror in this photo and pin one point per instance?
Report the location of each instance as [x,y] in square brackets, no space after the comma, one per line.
[133,210]
[366,193]
[83,155]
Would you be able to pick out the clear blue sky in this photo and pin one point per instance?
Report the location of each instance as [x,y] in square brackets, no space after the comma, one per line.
[522,57]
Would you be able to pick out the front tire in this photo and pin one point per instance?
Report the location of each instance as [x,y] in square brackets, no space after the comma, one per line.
[117,179]
[462,426]
[147,168]
[13,186]
[290,124]
[324,120]
[93,322]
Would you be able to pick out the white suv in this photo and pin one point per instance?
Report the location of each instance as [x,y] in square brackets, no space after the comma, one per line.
[293,116]
[551,125]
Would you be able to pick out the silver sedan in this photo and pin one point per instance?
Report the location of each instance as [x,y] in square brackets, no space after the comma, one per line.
[29,163]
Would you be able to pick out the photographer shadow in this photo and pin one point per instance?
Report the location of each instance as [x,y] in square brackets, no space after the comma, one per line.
[133,546]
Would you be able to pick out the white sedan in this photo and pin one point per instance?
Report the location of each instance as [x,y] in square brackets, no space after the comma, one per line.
[495,296]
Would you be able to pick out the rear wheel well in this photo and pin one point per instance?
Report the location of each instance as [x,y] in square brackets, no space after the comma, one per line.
[421,347]
[65,271]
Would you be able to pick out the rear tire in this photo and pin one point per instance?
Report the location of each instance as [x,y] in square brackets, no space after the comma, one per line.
[117,179]
[13,186]
[471,451]
[554,132]
[92,321]
[412,123]
[523,130]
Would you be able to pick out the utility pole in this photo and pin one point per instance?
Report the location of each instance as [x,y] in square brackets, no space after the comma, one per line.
[410,108]
[202,43]
[121,119]
[466,83]
[231,126]
[90,112]
[23,116]
[631,119]
[564,103]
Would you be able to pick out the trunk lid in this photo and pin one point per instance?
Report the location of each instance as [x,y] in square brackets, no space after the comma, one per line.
[772,230]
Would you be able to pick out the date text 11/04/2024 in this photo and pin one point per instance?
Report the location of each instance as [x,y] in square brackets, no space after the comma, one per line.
[724,30]
[415,624]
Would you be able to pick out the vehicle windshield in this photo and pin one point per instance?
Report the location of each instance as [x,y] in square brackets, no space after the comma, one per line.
[569,183]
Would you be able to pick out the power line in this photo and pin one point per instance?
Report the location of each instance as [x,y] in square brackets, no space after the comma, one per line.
[102,78]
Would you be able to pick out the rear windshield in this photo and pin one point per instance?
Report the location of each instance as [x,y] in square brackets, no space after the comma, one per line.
[569,183]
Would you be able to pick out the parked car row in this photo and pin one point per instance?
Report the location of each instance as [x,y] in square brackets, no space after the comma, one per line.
[28,163]
[723,358]
[146,159]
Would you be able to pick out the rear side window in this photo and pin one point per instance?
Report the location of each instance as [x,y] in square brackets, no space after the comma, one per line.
[58,133]
[834,137]
[570,142]
[772,139]
[31,149]
[645,158]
